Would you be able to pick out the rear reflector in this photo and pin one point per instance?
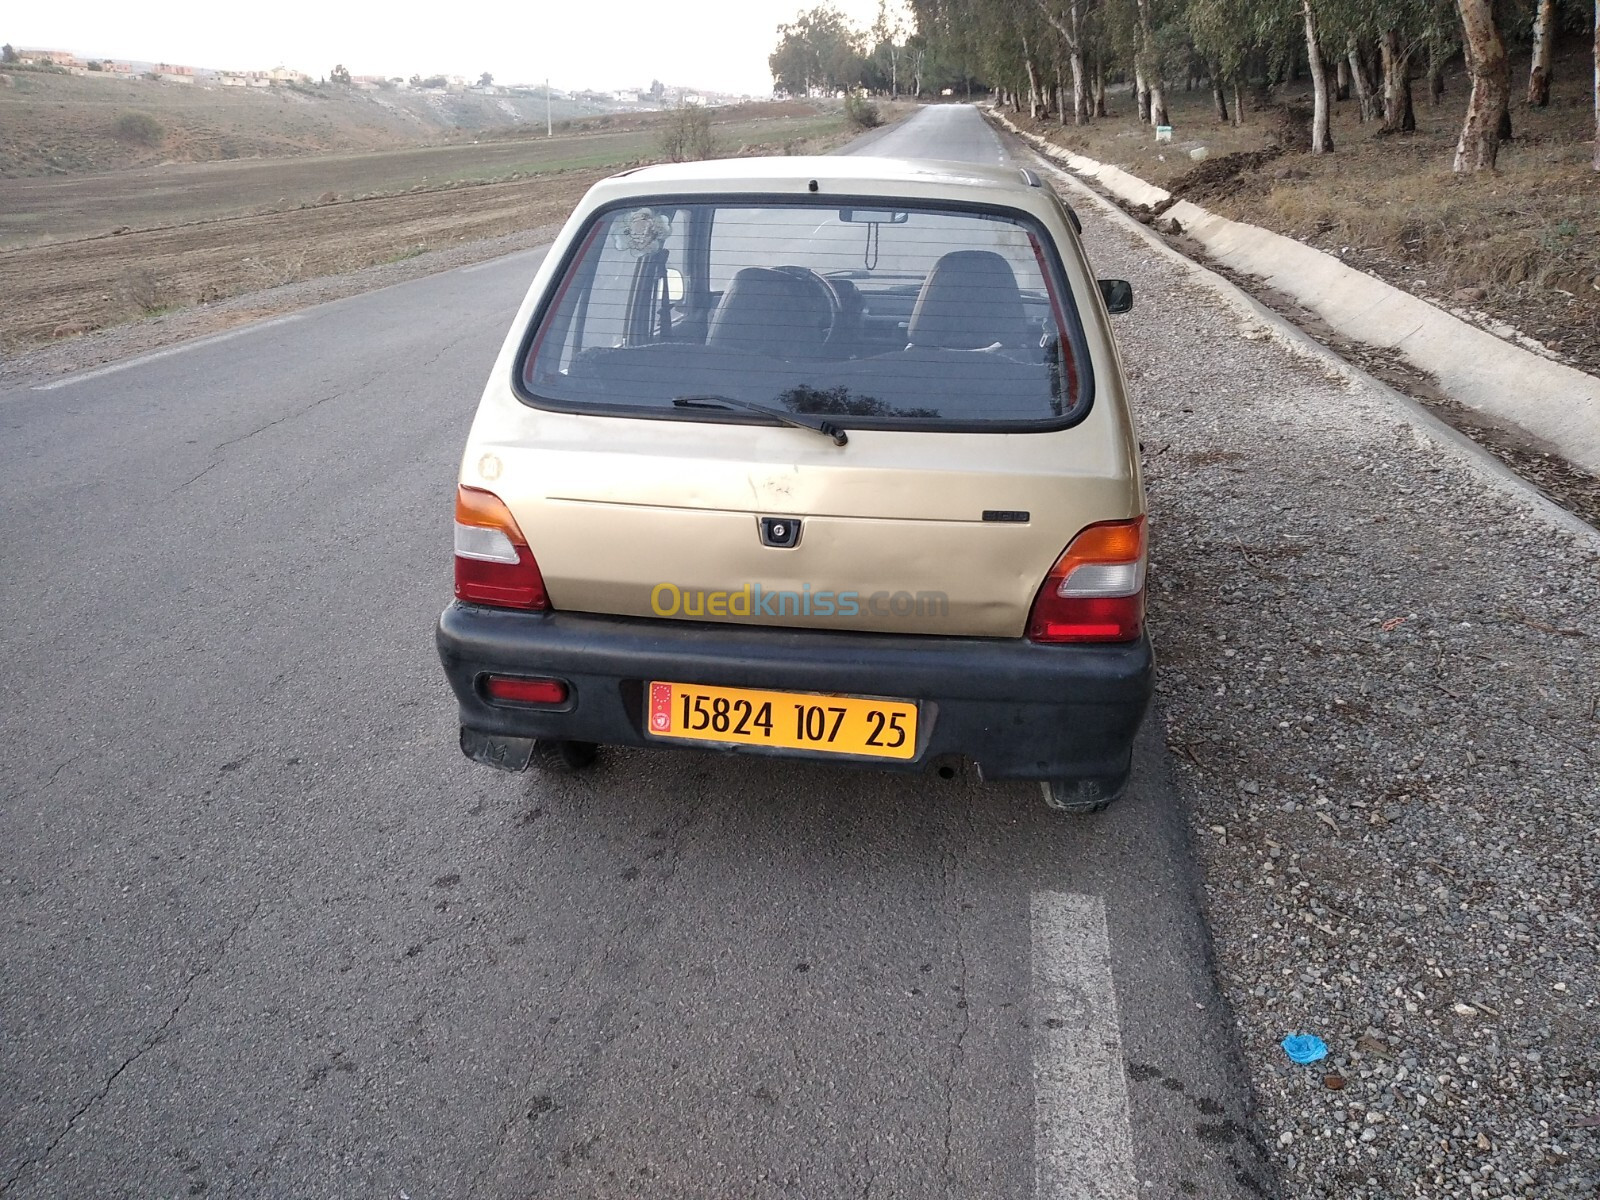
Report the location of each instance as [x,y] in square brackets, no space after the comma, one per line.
[1095,591]
[493,563]
[525,691]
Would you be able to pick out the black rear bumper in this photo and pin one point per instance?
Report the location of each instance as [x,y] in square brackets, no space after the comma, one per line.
[1016,709]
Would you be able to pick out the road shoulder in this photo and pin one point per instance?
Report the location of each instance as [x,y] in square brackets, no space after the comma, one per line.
[1377,672]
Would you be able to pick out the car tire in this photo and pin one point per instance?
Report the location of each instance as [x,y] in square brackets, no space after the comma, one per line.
[1082,796]
[563,757]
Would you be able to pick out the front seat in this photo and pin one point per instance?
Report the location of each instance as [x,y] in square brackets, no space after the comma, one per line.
[969,301]
[765,311]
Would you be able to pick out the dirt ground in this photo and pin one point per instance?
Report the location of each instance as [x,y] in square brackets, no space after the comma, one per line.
[73,287]
[34,211]
[65,288]
[1520,246]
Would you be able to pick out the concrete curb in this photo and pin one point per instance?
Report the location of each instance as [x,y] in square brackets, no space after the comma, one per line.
[1556,404]
[1424,425]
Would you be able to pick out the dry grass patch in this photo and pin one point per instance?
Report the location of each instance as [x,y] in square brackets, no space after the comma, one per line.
[1527,237]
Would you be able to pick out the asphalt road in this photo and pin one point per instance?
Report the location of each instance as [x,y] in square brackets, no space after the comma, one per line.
[268,933]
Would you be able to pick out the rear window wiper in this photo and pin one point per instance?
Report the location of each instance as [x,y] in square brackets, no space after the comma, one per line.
[797,420]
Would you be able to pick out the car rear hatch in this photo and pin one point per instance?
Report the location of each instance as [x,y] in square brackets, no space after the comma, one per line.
[897,532]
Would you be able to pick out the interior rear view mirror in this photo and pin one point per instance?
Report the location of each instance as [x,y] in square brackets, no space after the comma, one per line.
[1118,294]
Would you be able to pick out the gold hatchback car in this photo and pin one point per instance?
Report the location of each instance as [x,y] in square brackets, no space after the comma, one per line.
[810,457]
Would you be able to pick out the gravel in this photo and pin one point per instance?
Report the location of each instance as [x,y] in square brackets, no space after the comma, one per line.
[1378,674]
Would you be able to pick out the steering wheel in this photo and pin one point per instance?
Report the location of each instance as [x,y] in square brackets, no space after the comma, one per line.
[848,307]
[829,303]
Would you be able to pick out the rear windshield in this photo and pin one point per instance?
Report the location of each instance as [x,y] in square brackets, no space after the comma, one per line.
[873,314]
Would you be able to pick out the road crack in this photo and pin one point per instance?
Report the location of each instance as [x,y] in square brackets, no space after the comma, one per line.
[245,437]
[45,786]
[149,1044]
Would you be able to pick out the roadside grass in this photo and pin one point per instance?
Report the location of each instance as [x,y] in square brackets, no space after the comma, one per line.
[409,252]
[812,136]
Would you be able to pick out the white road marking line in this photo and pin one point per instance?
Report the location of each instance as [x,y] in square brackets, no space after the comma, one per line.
[1083,1139]
[499,262]
[109,368]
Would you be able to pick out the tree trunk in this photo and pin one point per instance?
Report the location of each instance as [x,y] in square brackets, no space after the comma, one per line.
[1544,29]
[1100,87]
[1321,139]
[1033,82]
[1080,91]
[1435,74]
[1597,85]
[1238,98]
[1158,92]
[1158,104]
[1142,88]
[1341,89]
[1217,94]
[1080,75]
[1479,144]
[1398,114]
[1358,76]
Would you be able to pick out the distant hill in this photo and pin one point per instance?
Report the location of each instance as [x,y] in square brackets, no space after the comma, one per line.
[60,124]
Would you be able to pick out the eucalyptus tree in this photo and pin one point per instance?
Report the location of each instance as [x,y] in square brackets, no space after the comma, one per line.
[1071,20]
[819,49]
[1321,134]
[1228,35]
[1148,63]
[888,41]
[1479,144]
[1544,29]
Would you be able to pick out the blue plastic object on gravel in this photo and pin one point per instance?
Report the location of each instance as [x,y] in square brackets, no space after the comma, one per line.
[1304,1047]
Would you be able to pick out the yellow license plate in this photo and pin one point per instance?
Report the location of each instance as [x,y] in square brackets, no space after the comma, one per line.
[786,720]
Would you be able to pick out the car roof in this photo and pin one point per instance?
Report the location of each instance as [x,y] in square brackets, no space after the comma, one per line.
[863,175]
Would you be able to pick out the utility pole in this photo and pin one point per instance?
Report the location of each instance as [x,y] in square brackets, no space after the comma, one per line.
[548,129]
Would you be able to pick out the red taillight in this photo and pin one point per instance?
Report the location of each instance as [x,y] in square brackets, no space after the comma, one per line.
[525,691]
[493,563]
[1095,592]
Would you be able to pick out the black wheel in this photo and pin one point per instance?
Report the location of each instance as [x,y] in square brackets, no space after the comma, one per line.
[563,758]
[1082,796]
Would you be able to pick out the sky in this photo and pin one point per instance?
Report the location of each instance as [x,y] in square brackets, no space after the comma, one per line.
[720,45]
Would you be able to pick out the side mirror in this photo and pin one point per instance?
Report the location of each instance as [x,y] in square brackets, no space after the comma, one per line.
[1118,294]
[674,285]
